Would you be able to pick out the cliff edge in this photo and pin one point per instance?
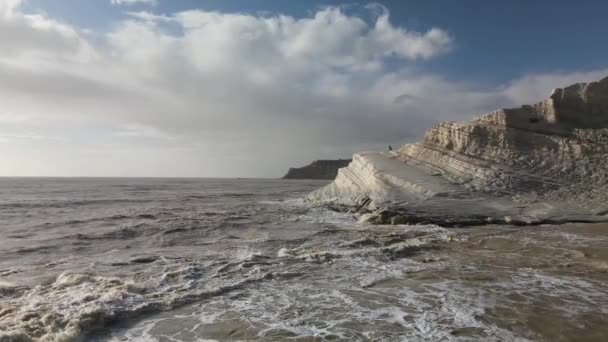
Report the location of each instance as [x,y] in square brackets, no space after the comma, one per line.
[546,162]
[319,169]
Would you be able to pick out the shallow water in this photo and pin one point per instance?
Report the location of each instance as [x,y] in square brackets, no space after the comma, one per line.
[211,259]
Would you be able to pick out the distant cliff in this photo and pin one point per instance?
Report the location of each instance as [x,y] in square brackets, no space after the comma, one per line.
[319,169]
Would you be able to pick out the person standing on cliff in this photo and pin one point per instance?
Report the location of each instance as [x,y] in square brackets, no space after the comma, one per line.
[390,148]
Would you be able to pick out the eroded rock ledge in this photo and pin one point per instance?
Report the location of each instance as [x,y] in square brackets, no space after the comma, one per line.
[541,163]
[319,169]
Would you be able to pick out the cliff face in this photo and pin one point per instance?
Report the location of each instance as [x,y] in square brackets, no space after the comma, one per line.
[538,163]
[319,169]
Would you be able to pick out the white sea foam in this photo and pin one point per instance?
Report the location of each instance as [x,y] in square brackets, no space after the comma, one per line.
[169,267]
[323,215]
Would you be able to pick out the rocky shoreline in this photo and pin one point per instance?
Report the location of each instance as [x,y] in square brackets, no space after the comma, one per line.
[541,163]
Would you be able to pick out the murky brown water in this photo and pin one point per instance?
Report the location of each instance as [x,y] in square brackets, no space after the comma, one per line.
[227,260]
[403,283]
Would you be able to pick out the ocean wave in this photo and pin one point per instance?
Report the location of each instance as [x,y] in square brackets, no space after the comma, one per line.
[75,304]
[413,240]
[404,309]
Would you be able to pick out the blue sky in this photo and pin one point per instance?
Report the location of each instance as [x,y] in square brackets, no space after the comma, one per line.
[227,88]
[495,41]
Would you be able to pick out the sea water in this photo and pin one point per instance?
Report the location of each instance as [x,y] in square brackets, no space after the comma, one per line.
[240,260]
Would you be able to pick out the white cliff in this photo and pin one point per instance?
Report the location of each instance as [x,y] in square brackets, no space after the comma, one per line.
[546,162]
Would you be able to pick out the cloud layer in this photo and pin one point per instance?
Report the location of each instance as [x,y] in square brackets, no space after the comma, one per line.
[200,93]
[133,2]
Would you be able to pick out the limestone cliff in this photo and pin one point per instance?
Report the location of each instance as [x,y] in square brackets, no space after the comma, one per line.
[539,163]
[319,169]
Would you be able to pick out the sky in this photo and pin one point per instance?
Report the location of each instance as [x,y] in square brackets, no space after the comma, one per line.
[226,88]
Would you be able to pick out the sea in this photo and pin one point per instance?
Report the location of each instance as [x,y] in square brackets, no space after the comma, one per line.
[111,259]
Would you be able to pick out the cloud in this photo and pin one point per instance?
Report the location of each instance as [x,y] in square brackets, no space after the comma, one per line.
[200,93]
[134,2]
[141,131]
[9,6]
[35,37]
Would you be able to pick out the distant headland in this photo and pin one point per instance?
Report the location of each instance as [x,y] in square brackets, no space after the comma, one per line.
[319,169]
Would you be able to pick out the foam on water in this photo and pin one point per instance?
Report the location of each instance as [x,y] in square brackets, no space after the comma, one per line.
[75,304]
[350,313]
[369,297]
[324,215]
[71,305]
[578,239]
[181,262]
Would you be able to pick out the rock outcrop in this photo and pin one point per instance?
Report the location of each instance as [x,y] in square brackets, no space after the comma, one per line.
[319,169]
[546,162]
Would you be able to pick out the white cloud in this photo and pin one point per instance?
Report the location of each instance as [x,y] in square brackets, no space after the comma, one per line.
[141,131]
[36,37]
[201,93]
[7,7]
[134,2]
